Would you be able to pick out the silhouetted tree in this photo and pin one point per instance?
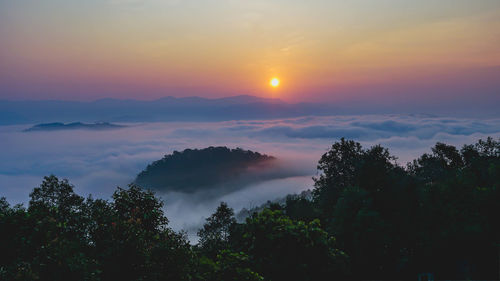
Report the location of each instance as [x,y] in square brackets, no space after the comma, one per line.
[214,236]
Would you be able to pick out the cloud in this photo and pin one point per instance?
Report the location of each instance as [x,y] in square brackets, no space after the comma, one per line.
[98,161]
[374,127]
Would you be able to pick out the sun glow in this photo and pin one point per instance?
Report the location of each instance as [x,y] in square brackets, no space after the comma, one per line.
[275,82]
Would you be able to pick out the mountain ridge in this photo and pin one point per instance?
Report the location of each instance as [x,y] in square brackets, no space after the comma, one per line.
[199,109]
[161,110]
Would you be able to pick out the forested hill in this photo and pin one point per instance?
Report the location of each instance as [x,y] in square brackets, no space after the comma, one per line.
[194,169]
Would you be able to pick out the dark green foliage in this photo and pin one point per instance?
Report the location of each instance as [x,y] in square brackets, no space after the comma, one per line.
[136,243]
[284,249]
[212,166]
[439,215]
[228,266]
[367,218]
[61,236]
[214,236]
[300,207]
[296,206]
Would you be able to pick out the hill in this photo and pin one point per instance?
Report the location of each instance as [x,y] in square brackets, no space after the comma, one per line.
[195,169]
[73,126]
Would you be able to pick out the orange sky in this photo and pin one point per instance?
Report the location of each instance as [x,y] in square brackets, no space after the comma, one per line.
[321,50]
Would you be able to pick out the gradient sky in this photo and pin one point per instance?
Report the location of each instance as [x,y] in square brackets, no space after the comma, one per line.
[322,50]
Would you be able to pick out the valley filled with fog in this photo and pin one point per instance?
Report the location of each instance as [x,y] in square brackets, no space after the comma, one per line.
[97,161]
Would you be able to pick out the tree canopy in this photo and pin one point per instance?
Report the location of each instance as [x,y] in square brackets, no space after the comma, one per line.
[366,218]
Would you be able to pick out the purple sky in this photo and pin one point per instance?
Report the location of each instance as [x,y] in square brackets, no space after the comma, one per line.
[389,52]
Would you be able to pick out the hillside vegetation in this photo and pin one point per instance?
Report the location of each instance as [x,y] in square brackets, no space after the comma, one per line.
[195,169]
[367,218]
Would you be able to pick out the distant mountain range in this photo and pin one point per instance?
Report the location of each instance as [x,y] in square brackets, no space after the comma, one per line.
[242,107]
[164,109]
[73,126]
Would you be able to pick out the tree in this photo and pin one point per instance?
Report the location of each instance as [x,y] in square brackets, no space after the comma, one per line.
[338,170]
[228,265]
[214,236]
[301,207]
[61,236]
[283,249]
[134,241]
[438,215]
[48,241]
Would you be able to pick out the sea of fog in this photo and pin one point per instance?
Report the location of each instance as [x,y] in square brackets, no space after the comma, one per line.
[98,161]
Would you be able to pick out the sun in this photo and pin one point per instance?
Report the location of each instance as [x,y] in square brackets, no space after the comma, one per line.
[275,82]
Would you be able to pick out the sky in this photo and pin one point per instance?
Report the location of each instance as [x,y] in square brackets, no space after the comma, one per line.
[392,51]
